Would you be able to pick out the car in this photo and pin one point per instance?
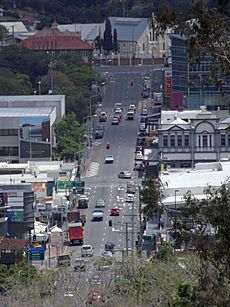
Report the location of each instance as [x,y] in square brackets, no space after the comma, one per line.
[142,127]
[103,117]
[144,112]
[98,134]
[83,196]
[139,157]
[107,254]
[100,203]
[109,159]
[98,215]
[83,204]
[130,115]
[86,251]
[109,246]
[118,117]
[129,198]
[138,148]
[131,189]
[145,94]
[138,166]
[124,175]
[118,110]
[115,121]
[79,264]
[118,105]
[132,107]
[118,114]
[115,211]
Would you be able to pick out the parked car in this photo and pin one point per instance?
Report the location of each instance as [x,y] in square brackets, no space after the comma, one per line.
[86,251]
[142,127]
[144,112]
[109,246]
[109,159]
[124,175]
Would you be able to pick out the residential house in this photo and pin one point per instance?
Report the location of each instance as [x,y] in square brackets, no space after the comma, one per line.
[11,250]
[188,137]
[59,43]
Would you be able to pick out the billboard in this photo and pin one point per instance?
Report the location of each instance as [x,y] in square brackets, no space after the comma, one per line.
[15,216]
[34,137]
[167,83]
[3,199]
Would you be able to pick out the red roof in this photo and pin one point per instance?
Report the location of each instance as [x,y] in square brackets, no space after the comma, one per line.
[53,39]
[13,244]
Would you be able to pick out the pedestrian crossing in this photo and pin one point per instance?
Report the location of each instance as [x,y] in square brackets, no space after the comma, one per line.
[93,170]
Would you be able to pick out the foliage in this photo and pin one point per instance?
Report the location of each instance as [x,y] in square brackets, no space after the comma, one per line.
[165,252]
[115,42]
[183,297]
[69,136]
[108,38]
[151,196]
[98,42]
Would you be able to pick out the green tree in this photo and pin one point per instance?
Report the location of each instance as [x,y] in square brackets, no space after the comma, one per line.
[98,42]
[115,42]
[184,295]
[151,196]
[69,136]
[108,38]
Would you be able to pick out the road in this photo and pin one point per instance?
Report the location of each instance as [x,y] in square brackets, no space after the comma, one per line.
[102,181]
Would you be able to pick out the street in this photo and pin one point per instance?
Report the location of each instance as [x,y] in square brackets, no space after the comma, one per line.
[102,180]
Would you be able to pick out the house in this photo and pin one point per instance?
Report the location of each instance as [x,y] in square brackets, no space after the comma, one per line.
[188,137]
[11,250]
[189,79]
[59,43]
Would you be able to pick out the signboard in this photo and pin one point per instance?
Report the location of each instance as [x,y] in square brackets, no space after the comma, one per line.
[168,83]
[3,199]
[36,253]
[15,216]
[62,185]
[38,186]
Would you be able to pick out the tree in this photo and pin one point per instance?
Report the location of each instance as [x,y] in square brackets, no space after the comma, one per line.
[69,136]
[98,42]
[3,32]
[151,196]
[115,42]
[108,39]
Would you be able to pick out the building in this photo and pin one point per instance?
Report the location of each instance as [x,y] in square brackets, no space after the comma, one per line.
[11,250]
[19,200]
[188,137]
[27,126]
[59,43]
[190,79]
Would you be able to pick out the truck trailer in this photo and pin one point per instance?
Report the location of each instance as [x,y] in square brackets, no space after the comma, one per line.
[75,232]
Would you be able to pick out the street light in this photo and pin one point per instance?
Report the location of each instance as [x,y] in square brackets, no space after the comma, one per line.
[39,87]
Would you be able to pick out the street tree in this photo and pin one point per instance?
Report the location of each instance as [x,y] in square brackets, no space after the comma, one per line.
[151,196]
[115,42]
[98,42]
[108,38]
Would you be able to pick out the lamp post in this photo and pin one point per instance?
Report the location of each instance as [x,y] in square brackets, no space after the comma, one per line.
[175,220]
[100,58]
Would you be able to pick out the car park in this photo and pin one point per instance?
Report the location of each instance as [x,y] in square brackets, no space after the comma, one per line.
[129,198]
[86,251]
[98,215]
[124,175]
[115,211]
[100,203]
[144,112]
[109,159]
[115,121]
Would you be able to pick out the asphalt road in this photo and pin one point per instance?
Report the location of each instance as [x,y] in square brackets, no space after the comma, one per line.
[104,184]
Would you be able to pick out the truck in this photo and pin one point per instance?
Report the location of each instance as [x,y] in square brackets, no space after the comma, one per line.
[75,233]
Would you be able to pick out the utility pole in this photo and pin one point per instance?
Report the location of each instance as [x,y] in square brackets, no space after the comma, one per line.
[126,239]
[140,224]
[133,243]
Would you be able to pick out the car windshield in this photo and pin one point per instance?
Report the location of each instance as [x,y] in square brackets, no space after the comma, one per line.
[86,247]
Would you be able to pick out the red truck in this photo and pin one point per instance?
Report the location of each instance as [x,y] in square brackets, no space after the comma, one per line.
[75,232]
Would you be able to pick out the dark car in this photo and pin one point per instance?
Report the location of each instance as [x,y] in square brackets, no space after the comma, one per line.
[109,246]
[83,204]
[99,134]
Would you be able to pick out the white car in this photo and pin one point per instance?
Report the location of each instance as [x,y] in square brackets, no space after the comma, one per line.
[100,203]
[139,157]
[129,198]
[132,107]
[144,112]
[124,175]
[98,215]
[83,197]
[118,105]
[86,251]
[115,121]
[109,159]
[118,110]
[142,127]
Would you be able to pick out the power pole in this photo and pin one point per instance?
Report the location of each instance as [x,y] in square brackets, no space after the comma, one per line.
[140,224]
[126,239]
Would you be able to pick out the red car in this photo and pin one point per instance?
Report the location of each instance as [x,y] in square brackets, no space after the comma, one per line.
[118,117]
[115,212]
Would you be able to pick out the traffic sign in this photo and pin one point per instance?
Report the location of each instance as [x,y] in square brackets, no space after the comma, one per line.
[36,253]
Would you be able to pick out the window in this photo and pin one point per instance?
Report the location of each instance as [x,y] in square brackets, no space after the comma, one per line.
[210,140]
[222,140]
[165,140]
[186,140]
[143,47]
[172,140]
[205,141]
[179,140]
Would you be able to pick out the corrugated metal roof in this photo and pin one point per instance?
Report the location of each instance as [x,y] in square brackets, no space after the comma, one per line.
[88,31]
[31,112]
[14,26]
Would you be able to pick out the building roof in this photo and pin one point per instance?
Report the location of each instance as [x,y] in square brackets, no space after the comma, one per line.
[13,244]
[129,29]
[53,39]
[14,26]
[30,112]
[88,32]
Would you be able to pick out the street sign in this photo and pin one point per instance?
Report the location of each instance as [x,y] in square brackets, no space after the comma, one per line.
[36,253]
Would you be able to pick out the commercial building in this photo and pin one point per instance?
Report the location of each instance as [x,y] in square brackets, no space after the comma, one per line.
[18,200]
[190,79]
[27,126]
[188,137]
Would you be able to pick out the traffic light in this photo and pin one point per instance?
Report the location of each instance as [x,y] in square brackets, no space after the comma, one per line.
[110,223]
[131,82]
[34,238]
